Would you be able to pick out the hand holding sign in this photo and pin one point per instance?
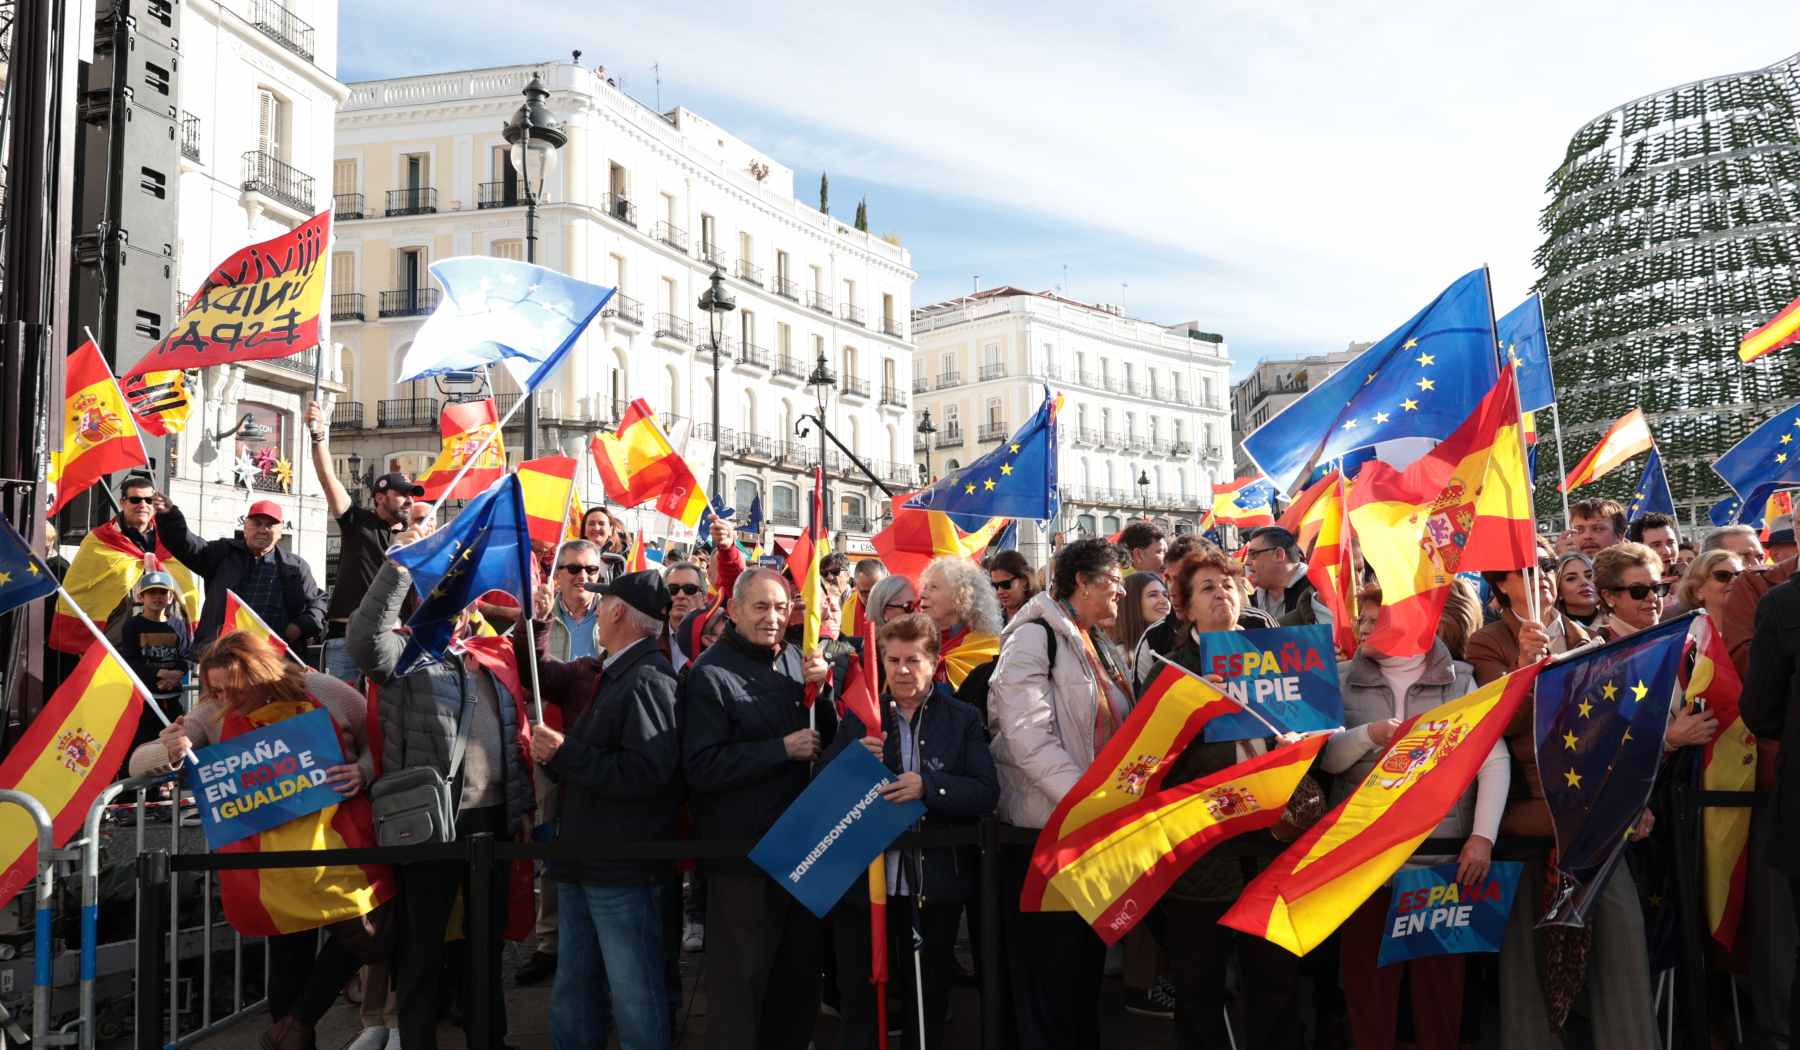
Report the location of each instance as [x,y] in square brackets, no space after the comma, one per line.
[346,780]
[174,740]
[1472,864]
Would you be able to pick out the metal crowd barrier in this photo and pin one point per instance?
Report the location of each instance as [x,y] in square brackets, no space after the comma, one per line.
[41,926]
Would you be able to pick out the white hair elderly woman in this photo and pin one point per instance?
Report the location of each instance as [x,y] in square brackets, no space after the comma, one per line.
[960,600]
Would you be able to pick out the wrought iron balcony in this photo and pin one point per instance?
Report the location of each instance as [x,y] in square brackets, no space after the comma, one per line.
[499,194]
[854,522]
[409,302]
[1087,436]
[347,415]
[890,326]
[305,363]
[622,307]
[892,395]
[283,26]
[948,379]
[727,349]
[712,254]
[994,432]
[1181,449]
[671,235]
[852,313]
[921,384]
[345,206]
[668,326]
[1212,452]
[950,437]
[347,306]
[620,208]
[819,301]
[787,289]
[785,517]
[993,372]
[753,446]
[790,365]
[851,386]
[190,136]
[754,356]
[277,181]
[502,402]
[415,200]
[407,412]
[749,272]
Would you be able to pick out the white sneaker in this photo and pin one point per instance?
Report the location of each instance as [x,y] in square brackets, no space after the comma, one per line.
[374,1037]
[693,936]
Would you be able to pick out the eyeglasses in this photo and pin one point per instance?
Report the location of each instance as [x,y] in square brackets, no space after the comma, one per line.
[1640,591]
[138,500]
[834,574]
[905,607]
[1251,552]
[1546,564]
[572,569]
[685,588]
[1724,575]
[1006,584]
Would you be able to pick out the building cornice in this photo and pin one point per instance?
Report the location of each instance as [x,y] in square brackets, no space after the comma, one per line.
[266,54]
[1022,319]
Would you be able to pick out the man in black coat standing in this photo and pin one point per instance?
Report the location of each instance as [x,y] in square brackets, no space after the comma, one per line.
[275,583]
[748,747]
[1771,692]
[619,765]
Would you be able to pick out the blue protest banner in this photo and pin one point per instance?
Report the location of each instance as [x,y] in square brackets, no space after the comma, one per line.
[264,778]
[1431,914]
[1288,675]
[833,830]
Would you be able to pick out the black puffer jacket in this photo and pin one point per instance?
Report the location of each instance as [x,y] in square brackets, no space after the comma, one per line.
[740,700]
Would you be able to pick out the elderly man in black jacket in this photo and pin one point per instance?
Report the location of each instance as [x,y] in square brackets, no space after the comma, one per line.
[1768,704]
[748,746]
[938,749]
[278,585]
[619,765]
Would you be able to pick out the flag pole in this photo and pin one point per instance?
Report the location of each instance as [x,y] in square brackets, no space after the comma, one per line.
[1273,729]
[300,460]
[100,636]
[1531,572]
[537,693]
[139,434]
[1561,467]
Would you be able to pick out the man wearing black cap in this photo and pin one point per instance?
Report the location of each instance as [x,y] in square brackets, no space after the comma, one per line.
[364,534]
[618,764]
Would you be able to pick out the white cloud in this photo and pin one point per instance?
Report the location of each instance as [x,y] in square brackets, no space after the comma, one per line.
[1329,167]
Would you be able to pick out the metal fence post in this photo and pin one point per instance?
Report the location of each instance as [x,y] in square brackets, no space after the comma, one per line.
[1690,913]
[482,930]
[43,963]
[152,876]
[90,894]
[993,1015]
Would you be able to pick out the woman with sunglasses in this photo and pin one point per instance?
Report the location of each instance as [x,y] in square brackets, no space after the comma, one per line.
[1575,593]
[1011,576]
[1707,581]
[1628,579]
[892,598]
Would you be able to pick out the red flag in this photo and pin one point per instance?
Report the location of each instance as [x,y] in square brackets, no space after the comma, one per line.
[803,568]
[637,560]
[466,426]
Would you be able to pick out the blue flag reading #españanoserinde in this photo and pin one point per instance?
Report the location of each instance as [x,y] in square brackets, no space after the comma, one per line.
[1767,456]
[23,575]
[1599,719]
[485,548]
[1016,480]
[1653,495]
[518,315]
[1524,344]
[1421,381]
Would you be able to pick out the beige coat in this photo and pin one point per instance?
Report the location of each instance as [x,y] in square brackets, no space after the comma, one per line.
[204,723]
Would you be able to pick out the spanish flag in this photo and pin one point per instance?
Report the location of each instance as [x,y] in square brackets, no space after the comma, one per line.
[964,652]
[1331,565]
[268,902]
[803,568]
[1300,518]
[572,527]
[98,434]
[1779,332]
[69,753]
[1131,766]
[106,566]
[1727,763]
[915,537]
[548,485]
[637,464]
[637,560]
[466,426]
[1348,855]
[1115,869]
[1465,506]
[1245,502]
[240,617]
[1626,438]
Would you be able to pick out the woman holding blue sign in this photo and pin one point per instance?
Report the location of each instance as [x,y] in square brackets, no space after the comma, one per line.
[1208,595]
[249,687]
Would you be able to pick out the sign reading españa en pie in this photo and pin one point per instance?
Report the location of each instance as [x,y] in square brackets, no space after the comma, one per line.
[1287,675]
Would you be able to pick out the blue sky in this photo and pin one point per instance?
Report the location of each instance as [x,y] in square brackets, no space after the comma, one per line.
[1293,176]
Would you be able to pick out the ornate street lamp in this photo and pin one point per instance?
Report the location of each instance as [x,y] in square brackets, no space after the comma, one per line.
[717,302]
[534,136]
[1143,482]
[821,382]
[927,429]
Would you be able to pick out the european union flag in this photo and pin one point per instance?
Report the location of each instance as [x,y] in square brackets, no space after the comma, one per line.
[1524,343]
[1007,539]
[1653,495]
[1016,480]
[1422,381]
[1599,719]
[755,524]
[23,575]
[518,315]
[1768,455]
[485,548]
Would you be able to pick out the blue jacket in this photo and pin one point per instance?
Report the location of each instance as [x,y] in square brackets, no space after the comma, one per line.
[961,785]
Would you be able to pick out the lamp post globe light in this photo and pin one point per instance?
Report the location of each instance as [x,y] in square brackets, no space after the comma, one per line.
[822,381]
[534,136]
[717,302]
[1143,483]
[926,428]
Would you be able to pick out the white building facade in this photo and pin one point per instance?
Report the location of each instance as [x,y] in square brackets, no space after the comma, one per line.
[1143,428]
[649,203]
[259,100]
[1273,385]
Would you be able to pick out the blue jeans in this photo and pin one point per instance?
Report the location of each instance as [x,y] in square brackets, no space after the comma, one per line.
[609,937]
[338,663]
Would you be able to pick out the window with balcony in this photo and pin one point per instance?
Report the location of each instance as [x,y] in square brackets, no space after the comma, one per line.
[784,504]
[1180,394]
[745,493]
[889,325]
[278,23]
[346,300]
[511,248]
[501,190]
[784,278]
[415,195]
[272,113]
[851,514]
[346,201]
[709,242]
[618,195]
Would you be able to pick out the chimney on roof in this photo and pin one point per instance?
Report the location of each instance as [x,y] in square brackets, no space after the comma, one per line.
[577,58]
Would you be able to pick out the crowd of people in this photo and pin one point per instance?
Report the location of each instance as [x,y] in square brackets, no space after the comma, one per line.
[679,703]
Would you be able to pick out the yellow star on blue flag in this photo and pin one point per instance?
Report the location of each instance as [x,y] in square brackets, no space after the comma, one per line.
[1017,480]
[23,576]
